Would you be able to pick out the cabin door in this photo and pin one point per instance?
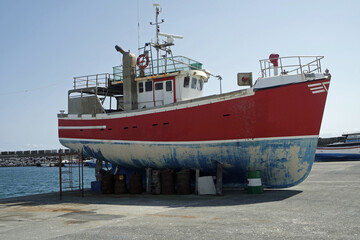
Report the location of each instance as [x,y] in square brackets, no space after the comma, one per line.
[159,93]
[164,92]
[169,92]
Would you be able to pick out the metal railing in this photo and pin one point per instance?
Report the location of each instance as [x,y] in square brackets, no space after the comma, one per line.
[166,65]
[96,80]
[293,64]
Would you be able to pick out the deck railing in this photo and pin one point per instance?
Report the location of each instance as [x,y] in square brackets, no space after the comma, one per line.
[161,66]
[293,64]
[96,80]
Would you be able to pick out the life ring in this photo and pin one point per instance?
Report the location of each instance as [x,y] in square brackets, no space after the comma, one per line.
[142,61]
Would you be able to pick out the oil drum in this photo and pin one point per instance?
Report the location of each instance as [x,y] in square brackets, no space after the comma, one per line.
[107,183]
[135,183]
[183,182]
[120,184]
[167,182]
[254,182]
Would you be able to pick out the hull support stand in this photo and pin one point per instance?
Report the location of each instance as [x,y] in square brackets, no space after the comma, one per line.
[197,175]
[219,185]
[148,180]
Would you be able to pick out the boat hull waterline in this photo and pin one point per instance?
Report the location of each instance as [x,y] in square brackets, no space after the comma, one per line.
[273,130]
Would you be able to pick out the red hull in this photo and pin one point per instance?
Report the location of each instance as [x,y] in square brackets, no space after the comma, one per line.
[291,110]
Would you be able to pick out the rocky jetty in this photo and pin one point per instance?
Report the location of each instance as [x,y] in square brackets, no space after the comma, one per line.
[16,161]
[39,158]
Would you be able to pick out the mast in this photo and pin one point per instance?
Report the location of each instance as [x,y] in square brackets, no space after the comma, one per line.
[157,23]
[138,18]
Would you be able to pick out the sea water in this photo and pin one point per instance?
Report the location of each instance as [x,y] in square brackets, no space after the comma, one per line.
[22,181]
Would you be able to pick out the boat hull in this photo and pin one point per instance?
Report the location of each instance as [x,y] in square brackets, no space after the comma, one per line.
[349,153]
[284,162]
[273,130]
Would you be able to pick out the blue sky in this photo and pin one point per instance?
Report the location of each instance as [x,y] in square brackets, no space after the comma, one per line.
[44,44]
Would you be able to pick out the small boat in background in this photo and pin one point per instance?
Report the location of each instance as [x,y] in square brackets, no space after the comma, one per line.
[349,150]
[71,163]
[92,162]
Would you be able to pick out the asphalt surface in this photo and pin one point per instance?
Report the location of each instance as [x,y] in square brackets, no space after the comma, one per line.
[325,206]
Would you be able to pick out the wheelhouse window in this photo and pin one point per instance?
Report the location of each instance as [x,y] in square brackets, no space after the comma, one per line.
[200,85]
[193,83]
[168,86]
[159,86]
[186,82]
[141,87]
[148,86]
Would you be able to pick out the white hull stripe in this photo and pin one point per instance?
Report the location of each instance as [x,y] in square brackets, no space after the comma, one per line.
[318,87]
[319,91]
[83,127]
[186,142]
[314,85]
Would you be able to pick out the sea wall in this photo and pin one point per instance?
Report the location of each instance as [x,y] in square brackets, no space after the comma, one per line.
[34,157]
[27,161]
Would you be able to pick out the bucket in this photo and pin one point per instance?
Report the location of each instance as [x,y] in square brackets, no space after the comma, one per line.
[254,182]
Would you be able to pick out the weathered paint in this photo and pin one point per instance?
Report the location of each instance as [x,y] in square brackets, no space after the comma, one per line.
[274,130]
[284,162]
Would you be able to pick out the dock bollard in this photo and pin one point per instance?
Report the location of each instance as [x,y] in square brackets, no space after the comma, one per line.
[254,182]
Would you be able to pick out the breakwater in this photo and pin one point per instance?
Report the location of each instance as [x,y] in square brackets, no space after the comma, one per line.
[33,158]
[28,161]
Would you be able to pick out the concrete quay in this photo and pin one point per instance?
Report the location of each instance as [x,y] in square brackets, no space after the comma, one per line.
[325,206]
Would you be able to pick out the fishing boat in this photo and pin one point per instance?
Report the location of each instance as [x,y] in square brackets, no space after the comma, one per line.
[349,150]
[151,113]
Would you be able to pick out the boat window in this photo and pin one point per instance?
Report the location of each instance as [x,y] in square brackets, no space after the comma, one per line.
[148,86]
[141,87]
[193,83]
[158,86]
[168,86]
[200,85]
[186,82]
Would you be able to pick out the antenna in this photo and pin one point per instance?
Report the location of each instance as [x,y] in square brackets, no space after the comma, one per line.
[138,18]
[157,23]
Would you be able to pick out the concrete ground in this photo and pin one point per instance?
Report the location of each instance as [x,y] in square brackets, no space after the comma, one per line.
[325,206]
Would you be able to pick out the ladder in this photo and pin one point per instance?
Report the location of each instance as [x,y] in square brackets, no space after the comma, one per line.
[67,171]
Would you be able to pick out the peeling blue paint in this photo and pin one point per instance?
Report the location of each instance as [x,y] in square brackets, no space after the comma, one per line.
[283,162]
